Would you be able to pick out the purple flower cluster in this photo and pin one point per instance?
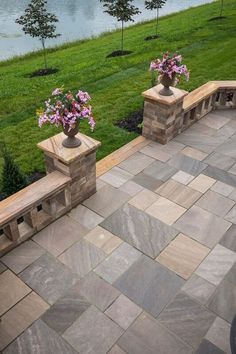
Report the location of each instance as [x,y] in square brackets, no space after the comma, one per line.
[66,109]
[170,65]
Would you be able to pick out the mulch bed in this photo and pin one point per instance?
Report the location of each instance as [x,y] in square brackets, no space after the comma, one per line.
[132,122]
[119,53]
[44,72]
[149,38]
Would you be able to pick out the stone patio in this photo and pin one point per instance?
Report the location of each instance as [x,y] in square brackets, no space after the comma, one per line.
[145,266]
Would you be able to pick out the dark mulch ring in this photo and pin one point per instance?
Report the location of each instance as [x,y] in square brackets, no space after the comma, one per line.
[217,18]
[119,53]
[44,72]
[132,122]
[149,38]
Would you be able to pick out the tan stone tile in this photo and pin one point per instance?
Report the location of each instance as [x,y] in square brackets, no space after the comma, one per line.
[194,153]
[183,255]
[144,199]
[103,239]
[165,210]
[202,183]
[12,290]
[21,316]
[179,193]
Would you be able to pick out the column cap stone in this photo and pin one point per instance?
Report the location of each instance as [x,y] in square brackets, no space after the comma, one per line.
[153,94]
[54,148]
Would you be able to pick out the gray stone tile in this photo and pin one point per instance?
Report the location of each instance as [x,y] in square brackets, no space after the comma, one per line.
[93,333]
[219,334]
[207,347]
[49,278]
[222,188]
[199,288]
[60,235]
[231,216]
[116,177]
[233,195]
[22,256]
[206,228]
[66,310]
[123,311]
[221,161]
[136,163]
[187,319]
[139,229]
[187,164]
[228,148]
[85,217]
[149,285]
[82,257]
[2,267]
[116,350]
[106,200]
[231,275]
[215,120]
[216,265]
[223,301]
[229,239]
[202,129]
[215,203]
[160,171]
[97,291]
[156,151]
[220,175]
[39,339]
[147,181]
[131,188]
[147,336]
[118,262]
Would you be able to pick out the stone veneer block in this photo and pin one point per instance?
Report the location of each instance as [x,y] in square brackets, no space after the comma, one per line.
[183,255]
[78,163]
[162,117]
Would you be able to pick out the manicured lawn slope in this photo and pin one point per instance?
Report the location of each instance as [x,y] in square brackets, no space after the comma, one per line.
[115,84]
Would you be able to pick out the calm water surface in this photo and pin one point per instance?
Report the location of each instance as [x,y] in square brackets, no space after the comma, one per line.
[77,19]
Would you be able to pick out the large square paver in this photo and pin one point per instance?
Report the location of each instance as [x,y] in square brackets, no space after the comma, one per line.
[231,216]
[82,257]
[165,210]
[93,332]
[123,311]
[149,285]
[19,317]
[207,347]
[229,239]
[136,163]
[60,235]
[103,239]
[22,256]
[106,200]
[183,177]
[66,310]
[221,161]
[202,226]
[215,203]
[222,188]
[217,264]
[183,255]
[116,177]
[215,120]
[117,263]
[85,217]
[187,164]
[39,339]
[12,290]
[187,319]
[147,336]
[199,288]
[202,183]
[97,291]
[194,153]
[147,182]
[116,350]
[160,171]
[139,229]
[49,278]
[219,334]
[143,199]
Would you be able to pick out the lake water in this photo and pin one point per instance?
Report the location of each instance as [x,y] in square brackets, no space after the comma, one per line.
[77,19]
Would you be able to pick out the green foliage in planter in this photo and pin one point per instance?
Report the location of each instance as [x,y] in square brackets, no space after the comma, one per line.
[12,178]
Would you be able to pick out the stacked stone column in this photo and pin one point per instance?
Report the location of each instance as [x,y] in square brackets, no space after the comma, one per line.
[163,115]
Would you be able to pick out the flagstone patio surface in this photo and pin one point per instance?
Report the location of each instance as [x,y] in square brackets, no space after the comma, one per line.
[144,266]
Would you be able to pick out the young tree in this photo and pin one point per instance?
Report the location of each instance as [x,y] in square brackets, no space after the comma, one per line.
[12,178]
[123,10]
[155,5]
[221,7]
[39,23]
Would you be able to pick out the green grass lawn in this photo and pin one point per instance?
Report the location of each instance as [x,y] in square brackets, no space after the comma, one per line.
[115,84]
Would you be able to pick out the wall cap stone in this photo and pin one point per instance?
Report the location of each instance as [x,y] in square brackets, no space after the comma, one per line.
[153,94]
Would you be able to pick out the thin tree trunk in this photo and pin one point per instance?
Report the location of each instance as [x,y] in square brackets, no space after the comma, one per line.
[122,36]
[157,20]
[44,53]
[221,8]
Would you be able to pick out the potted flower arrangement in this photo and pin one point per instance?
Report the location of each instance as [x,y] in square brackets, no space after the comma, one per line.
[170,69]
[67,109]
